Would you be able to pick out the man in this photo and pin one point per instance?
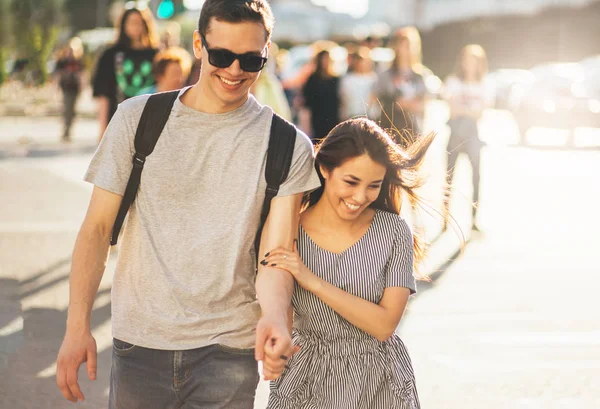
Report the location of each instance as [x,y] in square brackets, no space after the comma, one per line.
[190,316]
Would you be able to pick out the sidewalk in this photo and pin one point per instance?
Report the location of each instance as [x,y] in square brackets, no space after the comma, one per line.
[25,136]
[17,100]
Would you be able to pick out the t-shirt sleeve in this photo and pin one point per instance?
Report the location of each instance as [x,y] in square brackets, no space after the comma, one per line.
[104,80]
[399,268]
[112,163]
[303,176]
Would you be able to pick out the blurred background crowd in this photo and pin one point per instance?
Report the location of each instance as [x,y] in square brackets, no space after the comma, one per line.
[536,58]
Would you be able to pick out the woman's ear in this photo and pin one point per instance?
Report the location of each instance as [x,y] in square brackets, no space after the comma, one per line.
[324,172]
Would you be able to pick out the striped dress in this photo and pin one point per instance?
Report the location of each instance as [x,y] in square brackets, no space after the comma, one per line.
[339,366]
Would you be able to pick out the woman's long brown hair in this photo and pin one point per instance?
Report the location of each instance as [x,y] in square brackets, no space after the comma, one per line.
[359,136]
[149,38]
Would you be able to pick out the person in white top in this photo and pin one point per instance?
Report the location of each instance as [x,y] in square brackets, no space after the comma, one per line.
[356,86]
[468,96]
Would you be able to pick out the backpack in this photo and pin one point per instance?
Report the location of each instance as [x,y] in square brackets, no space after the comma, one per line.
[69,78]
[154,117]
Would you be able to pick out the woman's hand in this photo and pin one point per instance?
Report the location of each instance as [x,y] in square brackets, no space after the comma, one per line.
[290,261]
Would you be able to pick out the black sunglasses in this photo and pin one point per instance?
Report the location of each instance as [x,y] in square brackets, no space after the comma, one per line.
[221,58]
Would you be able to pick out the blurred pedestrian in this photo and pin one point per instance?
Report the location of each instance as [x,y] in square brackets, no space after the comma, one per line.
[356,86]
[171,68]
[192,311]
[354,272]
[125,68]
[351,53]
[69,69]
[468,96]
[321,96]
[371,42]
[400,91]
[268,89]
[171,35]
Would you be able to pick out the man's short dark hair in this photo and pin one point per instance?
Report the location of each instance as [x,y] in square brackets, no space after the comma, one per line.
[236,11]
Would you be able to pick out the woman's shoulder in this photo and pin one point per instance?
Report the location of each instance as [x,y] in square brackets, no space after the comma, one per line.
[394,224]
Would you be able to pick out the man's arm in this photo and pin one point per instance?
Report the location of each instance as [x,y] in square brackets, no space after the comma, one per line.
[274,287]
[89,261]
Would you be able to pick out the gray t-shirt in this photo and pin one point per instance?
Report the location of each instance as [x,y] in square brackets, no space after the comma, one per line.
[186,268]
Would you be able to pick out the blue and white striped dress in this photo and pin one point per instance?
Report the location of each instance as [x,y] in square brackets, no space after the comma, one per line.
[339,366]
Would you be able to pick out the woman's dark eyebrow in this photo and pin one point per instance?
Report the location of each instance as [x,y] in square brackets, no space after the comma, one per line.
[358,179]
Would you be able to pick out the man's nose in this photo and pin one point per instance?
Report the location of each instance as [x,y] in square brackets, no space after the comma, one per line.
[235,69]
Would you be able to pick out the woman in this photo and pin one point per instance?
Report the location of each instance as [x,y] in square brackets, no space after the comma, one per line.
[354,274]
[69,69]
[400,91]
[356,86]
[125,68]
[467,95]
[321,97]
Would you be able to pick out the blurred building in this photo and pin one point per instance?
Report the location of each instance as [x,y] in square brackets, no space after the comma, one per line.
[396,12]
[430,13]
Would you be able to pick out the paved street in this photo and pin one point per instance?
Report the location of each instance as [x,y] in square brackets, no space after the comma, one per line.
[512,323]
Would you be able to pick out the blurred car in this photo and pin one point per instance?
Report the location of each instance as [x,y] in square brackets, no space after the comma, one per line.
[504,82]
[557,98]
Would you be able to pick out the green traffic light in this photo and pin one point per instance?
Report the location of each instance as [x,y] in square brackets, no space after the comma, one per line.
[166,9]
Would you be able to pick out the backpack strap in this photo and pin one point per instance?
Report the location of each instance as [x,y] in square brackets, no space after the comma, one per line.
[279,160]
[153,120]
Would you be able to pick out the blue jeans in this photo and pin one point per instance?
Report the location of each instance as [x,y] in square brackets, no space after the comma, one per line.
[211,377]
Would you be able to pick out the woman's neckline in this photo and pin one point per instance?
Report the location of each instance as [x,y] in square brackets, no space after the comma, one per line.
[353,245]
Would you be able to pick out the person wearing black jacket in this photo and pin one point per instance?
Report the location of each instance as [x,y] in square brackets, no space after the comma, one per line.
[322,97]
[125,68]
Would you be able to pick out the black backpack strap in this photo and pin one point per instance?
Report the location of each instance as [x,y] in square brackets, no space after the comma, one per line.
[153,120]
[279,160]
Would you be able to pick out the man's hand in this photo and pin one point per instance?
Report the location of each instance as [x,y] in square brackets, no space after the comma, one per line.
[273,346]
[75,350]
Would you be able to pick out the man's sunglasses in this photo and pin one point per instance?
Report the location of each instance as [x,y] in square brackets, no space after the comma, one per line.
[220,58]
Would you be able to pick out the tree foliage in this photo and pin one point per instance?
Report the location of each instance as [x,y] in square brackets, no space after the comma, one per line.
[5,37]
[83,14]
[35,33]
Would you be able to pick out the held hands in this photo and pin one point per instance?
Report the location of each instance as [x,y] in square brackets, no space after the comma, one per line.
[290,261]
[75,350]
[273,346]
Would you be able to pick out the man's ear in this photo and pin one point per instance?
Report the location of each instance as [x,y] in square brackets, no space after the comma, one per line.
[197,45]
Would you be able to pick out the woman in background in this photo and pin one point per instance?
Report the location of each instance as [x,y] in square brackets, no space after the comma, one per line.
[468,96]
[125,68]
[357,85]
[400,91]
[321,97]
